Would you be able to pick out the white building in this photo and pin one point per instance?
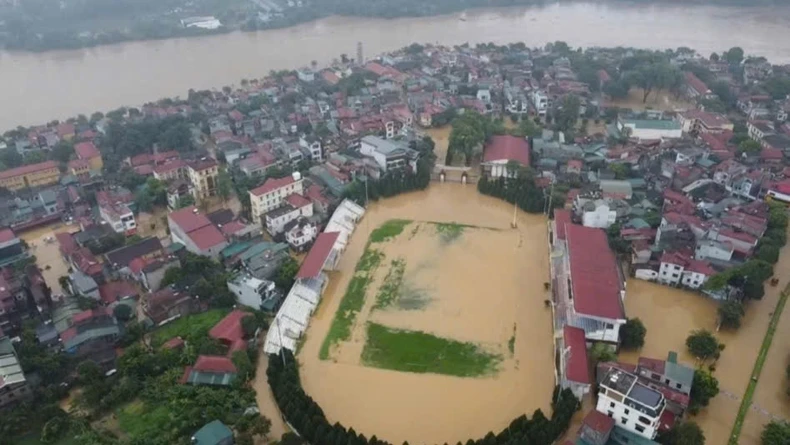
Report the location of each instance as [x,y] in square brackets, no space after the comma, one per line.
[633,406]
[601,216]
[714,250]
[209,22]
[314,147]
[294,207]
[541,102]
[305,75]
[252,292]
[651,129]
[271,194]
[389,155]
[301,233]
[203,175]
[119,217]
[676,269]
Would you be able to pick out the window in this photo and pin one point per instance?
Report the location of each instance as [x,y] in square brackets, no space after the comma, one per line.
[627,410]
[624,420]
[666,381]
[655,376]
[609,413]
[644,420]
[678,385]
[611,404]
[640,428]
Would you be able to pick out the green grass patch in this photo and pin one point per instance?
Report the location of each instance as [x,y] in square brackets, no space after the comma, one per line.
[352,302]
[388,230]
[138,418]
[419,352]
[389,292]
[511,344]
[35,439]
[192,325]
[746,403]
[449,232]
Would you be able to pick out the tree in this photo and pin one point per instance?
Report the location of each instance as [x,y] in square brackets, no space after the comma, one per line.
[734,56]
[704,387]
[749,147]
[617,89]
[730,314]
[528,128]
[285,276]
[249,325]
[777,432]
[714,57]
[703,345]
[567,114]
[632,334]
[224,185]
[683,433]
[767,252]
[123,312]
[653,74]
[89,372]
[600,352]
[185,201]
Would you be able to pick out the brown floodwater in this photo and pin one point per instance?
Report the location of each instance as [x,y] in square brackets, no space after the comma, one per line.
[47,254]
[103,78]
[476,289]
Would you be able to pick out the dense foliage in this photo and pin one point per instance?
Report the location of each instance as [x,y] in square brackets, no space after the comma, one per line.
[520,190]
[309,420]
[704,388]
[776,433]
[632,334]
[683,433]
[703,345]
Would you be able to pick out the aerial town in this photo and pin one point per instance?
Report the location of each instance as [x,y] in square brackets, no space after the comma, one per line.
[163,265]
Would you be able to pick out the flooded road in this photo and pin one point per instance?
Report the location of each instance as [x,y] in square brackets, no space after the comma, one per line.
[104,78]
[47,254]
[478,288]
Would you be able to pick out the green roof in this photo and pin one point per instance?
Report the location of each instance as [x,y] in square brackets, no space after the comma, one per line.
[236,248]
[652,124]
[175,247]
[677,372]
[261,247]
[212,433]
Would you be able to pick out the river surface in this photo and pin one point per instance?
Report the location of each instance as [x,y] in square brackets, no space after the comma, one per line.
[477,289]
[38,87]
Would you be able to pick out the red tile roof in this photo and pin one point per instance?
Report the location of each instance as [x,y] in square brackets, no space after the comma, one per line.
[28,169]
[67,243]
[206,237]
[652,364]
[115,290]
[562,218]
[272,184]
[214,363]
[506,147]
[577,370]
[86,150]
[87,315]
[315,259]
[595,280]
[297,201]
[232,227]
[170,166]
[695,83]
[189,219]
[6,235]
[229,329]
[173,343]
[598,421]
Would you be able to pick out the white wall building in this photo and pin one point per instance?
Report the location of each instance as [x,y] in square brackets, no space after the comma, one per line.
[294,207]
[651,129]
[633,406]
[541,101]
[714,250]
[251,291]
[271,194]
[119,217]
[676,269]
[314,147]
[301,234]
[602,217]
[389,155]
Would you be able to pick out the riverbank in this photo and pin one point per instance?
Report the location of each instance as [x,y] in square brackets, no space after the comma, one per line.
[128,74]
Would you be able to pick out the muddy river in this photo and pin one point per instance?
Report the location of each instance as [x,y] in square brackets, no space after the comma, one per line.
[103,78]
[479,289]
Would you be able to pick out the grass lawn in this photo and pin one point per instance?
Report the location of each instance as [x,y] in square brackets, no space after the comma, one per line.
[184,327]
[136,418]
[389,291]
[412,351]
[352,301]
[388,230]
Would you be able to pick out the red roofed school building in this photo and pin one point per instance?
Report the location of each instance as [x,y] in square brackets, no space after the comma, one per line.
[501,150]
[574,364]
[595,286]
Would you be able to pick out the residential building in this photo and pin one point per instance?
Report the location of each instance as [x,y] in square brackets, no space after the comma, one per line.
[229,331]
[203,176]
[312,146]
[196,232]
[650,129]
[633,406]
[669,372]
[82,284]
[300,233]
[119,217]
[676,268]
[271,194]
[210,370]
[87,151]
[13,384]
[11,248]
[92,335]
[33,175]
[574,364]
[147,249]
[177,190]
[294,207]
[695,88]
[540,100]
[255,293]
[171,170]
[502,151]
[758,129]
[168,304]
[213,433]
[151,271]
[263,259]
[388,154]
[596,287]
[598,214]
[703,122]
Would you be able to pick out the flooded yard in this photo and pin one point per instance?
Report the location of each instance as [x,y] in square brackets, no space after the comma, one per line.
[471,287]
[47,254]
[441,137]
[657,100]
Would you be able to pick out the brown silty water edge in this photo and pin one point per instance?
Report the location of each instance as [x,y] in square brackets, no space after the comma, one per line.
[485,283]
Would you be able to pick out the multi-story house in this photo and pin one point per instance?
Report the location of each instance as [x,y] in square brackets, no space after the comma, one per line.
[33,175]
[389,155]
[312,146]
[13,384]
[203,176]
[196,232]
[11,248]
[92,335]
[300,233]
[168,171]
[271,194]
[294,207]
[633,406]
[676,268]
[119,217]
[87,151]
